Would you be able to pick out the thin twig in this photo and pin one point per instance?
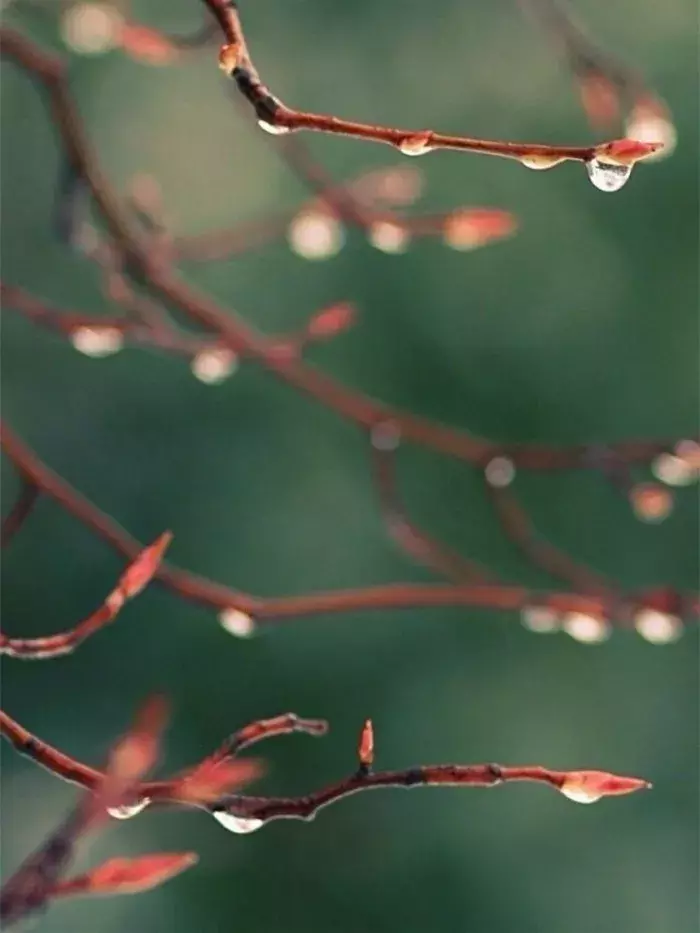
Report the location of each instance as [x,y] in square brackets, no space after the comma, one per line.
[20,512]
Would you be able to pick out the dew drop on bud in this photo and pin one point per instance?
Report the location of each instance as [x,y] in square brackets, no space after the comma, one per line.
[587,629]
[91,28]
[499,472]
[237,623]
[540,162]
[236,824]
[606,176]
[659,628]
[214,366]
[579,793]
[540,619]
[127,810]
[315,235]
[651,502]
[388,237]
[272,129]
[386,435]
[97,341]
[416,145]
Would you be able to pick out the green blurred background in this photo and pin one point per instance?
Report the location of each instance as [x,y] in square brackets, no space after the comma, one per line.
[583,328]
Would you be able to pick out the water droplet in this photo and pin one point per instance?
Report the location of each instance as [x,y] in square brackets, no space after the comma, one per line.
[236,824]
[97,341]
[540,619]
[417,144]
[91,28]
[214,366]
[689,451]
[272,129]
[588,629]
[237,623]
[672,470]
[499,472]
[578,792]
[386,435]
[388,237]
[127,810]
[659,628]
[651,502]
[606,176]
[315,235]
[540,162]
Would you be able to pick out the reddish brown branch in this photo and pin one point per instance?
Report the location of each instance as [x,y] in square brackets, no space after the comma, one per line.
[518,527]
[390,596]
[235,60]
[417,543]
[132,581]
[38,879]
[579,785]
[362,410]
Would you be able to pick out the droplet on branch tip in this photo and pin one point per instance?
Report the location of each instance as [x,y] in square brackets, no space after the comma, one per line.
[607,176]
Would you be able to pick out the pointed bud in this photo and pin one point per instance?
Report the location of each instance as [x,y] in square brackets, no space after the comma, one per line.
[649,121]
[140,573]
[589,786]
[627,151]
[331,321]
[600,99]
[469,228]
[128,876]
[147,45]
[365,748]
[212,779]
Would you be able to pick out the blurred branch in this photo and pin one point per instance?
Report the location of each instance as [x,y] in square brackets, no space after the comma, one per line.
[390,596]
[39,879]
[20,511]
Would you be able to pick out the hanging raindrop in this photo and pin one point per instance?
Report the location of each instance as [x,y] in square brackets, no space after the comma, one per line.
[416,145]
[272,129]
[236,824]
[606,176]
[127,810]
[540,162]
